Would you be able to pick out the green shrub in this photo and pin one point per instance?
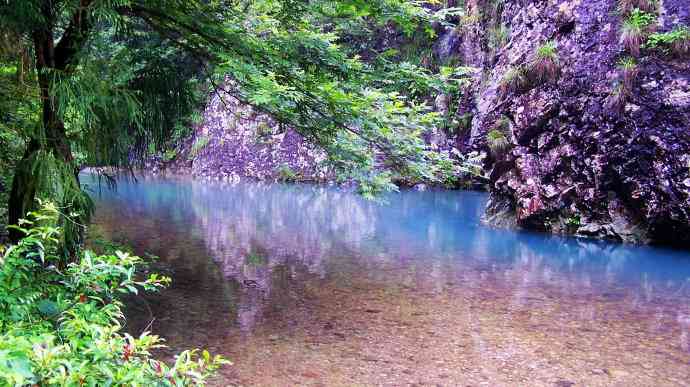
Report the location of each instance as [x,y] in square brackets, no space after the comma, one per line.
[676,41]
[169,155]
[545,65]
[262,129]
[61,326]
[634,29]
[464,123]
[256,259]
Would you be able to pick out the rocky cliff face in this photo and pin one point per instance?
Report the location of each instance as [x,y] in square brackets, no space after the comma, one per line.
[590,151]
[234,140]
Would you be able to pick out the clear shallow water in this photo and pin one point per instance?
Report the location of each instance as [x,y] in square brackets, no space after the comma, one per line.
[263,272]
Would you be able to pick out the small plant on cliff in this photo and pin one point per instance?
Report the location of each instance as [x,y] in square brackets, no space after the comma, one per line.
[627,6]
[285,173]
[498,36]
[514,80]
[628,70]
[634,29]
[497,139]
[545,65]
[464,123]
[169,155]
[263,130]
[497,142]
[199,144]
[676,41]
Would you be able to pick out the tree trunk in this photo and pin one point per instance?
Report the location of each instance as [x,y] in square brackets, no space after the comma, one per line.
[53,138]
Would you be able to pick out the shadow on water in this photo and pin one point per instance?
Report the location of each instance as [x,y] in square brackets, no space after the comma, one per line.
[248,259]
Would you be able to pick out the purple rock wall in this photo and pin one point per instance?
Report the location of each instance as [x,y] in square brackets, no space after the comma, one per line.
[577,164]
[235,140]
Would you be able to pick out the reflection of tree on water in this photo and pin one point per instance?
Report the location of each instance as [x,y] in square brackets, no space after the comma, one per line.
[272,238]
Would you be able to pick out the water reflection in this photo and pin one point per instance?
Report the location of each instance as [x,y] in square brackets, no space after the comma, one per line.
[246,251]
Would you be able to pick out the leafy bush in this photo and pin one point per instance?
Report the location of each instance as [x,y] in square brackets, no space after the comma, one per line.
[169,155]
[634,29]
[62,326]
[676,41]
[545,66]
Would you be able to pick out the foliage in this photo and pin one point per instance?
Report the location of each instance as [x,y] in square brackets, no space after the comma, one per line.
[45,176]
[625,7]
[462,123]
[19,111]
[676,41]
[634,29]
[285,173]
[629,70]
[573,222]
[515,79]
[62,326]
[498,36]
[497,139]
[169,155]
[125,75]
[199,144]
[545,66]
[256,259]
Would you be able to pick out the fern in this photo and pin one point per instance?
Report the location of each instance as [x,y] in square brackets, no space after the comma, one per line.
[676,41]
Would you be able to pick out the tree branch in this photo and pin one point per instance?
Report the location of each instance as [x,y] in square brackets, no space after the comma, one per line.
[75,36]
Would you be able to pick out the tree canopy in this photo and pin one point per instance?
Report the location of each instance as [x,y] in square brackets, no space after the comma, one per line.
[116,79]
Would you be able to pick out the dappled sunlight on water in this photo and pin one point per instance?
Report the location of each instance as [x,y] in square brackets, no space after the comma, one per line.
[332,289]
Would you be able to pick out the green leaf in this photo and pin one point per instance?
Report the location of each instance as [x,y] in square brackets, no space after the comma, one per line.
[47,307]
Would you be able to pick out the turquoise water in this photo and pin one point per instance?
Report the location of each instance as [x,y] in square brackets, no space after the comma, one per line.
[240,256]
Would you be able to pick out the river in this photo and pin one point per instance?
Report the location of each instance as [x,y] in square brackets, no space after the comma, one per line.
[312,285]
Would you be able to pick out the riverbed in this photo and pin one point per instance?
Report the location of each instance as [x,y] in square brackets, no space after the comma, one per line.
[312,285]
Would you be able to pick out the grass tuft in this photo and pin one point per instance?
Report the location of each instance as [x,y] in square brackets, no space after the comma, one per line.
[514,80]
[497,139]
[545,65]
[628,69]
[634,30]
[625,7]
